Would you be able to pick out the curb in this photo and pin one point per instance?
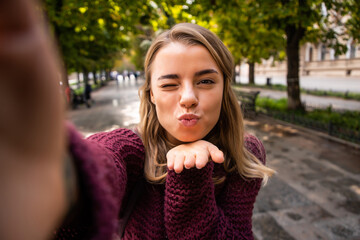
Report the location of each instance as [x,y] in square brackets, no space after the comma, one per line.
[311,131]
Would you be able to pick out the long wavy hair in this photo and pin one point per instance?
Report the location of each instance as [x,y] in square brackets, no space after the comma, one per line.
[228,134]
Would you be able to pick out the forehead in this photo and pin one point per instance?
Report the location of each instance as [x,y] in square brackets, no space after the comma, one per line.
[177,56]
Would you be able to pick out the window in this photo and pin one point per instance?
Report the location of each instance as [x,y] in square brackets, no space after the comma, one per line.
[323,52]
[352,50]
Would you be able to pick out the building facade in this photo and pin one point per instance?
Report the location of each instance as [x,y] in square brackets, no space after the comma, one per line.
[318,60]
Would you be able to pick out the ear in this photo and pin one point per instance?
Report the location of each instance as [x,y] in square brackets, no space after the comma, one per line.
[152,97]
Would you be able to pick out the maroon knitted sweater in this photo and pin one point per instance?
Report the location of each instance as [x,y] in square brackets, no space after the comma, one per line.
[187,206]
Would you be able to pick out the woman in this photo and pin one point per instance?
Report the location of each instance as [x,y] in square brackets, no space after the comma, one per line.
[201,172]
[188,113]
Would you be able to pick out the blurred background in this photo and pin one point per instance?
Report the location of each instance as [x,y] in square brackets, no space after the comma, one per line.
[297,78]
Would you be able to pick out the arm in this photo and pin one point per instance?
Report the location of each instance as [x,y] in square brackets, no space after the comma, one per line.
[192,211]
[35,169]
[107,165]
[32,137]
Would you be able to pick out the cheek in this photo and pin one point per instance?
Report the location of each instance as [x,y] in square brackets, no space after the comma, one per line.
[164,106]
[214,105]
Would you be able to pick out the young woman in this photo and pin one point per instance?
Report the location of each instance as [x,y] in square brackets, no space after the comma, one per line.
[201,171]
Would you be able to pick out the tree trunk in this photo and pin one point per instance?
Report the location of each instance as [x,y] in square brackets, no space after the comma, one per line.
[294,35]
[86,76]
[251,73]
[234,76]
[107,75]
[94,77]
[78,79]
[101,77]
[65,78]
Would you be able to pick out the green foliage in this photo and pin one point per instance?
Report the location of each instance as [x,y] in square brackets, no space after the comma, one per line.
[80,90]
[352,7]
[347,119]
[92,34]
[272,104]
[346,95]
[239,25]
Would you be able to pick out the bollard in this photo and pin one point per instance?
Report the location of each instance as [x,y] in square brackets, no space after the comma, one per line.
[268,81]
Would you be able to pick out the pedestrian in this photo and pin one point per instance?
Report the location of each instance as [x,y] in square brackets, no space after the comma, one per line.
[87,95]
[68,95]
[199,170]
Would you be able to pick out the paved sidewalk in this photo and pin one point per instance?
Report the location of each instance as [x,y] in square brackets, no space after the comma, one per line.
[315,193]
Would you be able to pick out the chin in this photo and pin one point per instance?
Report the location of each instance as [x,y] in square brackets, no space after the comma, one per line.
[187,139]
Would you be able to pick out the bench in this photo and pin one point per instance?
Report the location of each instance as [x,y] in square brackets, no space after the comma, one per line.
[247,102]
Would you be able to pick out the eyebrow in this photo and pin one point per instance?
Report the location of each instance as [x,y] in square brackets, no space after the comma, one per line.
[169,76]
[197,74]
[206,71]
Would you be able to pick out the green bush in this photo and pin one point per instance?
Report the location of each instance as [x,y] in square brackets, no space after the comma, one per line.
[347,119]
[271,104]
[80,90]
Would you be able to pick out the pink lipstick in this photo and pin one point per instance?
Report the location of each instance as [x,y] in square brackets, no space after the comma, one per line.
[188,120]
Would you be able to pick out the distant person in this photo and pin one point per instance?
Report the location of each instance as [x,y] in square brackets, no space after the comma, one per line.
[136,75]
[68,95]
[200,170]
[87,95]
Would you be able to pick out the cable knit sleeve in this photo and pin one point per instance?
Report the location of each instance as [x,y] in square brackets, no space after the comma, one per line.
[193,212]
[107,163]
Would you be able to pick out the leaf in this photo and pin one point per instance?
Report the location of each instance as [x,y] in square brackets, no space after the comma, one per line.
[82,10]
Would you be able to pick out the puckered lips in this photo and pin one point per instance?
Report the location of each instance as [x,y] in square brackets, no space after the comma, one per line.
[188,119]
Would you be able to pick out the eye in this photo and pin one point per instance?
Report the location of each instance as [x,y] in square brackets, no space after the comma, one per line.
[168,85]
[206,81]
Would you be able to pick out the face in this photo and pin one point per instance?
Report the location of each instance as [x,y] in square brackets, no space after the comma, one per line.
[187,90]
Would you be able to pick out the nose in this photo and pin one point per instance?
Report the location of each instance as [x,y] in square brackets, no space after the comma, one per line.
[188,97]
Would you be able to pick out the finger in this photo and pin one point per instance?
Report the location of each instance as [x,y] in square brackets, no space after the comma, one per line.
[201,160]
[170,160]
[215,154]
[189,161]
[179,163]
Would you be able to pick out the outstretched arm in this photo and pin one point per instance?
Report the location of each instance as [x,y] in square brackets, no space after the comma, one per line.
[32,136]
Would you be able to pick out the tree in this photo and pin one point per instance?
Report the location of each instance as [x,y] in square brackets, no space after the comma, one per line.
[158,16]
[258,29]
[352,9]
[246,35]
[301,20]
[91,34]
[237,23]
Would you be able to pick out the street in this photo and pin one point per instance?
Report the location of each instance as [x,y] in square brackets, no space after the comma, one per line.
[315,193]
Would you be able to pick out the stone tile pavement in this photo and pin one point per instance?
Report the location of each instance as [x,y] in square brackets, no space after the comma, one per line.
[316,191]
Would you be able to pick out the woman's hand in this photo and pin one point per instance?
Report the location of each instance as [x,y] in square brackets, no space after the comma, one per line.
[32,136]
[195,154]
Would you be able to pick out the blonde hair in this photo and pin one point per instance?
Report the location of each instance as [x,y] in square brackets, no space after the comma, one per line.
[228,133]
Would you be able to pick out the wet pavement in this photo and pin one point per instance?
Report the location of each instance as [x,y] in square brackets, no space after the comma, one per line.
[114,106]
[315,193]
